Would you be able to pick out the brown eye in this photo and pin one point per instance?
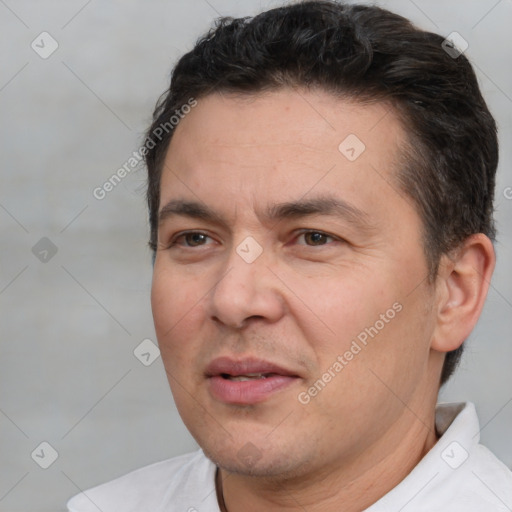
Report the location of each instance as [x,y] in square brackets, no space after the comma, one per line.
[192,239]
[195,238]
[315,238]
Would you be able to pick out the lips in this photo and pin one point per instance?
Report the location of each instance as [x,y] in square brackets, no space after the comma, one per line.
[246,381]
[248,367]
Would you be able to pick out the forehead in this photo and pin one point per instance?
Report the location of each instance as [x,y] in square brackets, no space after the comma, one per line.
[312,115]
[283,144]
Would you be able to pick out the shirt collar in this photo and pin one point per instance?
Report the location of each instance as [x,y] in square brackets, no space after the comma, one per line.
[457,424]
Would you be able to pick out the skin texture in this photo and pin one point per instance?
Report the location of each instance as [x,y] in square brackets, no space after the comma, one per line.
[305,299]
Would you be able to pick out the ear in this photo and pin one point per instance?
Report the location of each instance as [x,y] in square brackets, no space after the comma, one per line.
[461,288]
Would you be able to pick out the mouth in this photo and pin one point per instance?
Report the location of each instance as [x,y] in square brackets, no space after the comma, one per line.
[247,381]
[247,377]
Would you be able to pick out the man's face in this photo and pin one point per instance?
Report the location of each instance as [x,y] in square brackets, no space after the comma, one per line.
[264,287]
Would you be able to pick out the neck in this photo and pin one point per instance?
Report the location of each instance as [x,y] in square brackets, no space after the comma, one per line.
[354,485]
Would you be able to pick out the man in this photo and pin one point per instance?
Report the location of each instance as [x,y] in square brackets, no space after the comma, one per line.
[321,216]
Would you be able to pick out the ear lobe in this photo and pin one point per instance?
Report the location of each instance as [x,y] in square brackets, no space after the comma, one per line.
[462,285]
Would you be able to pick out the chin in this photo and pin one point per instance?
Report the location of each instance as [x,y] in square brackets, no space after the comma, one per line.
[248,460]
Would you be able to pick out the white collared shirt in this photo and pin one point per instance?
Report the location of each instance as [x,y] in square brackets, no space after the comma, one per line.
[457,475]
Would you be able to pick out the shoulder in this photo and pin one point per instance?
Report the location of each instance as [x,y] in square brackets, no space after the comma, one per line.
[458,474]
[173,480]
[490,478]
[482,482]
[475,479]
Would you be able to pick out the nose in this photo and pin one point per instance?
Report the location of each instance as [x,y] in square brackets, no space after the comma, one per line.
[245,291]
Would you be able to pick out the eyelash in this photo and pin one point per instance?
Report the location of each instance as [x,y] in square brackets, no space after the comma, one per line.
[174,241]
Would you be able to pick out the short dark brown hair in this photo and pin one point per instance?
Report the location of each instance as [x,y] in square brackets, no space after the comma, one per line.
[367,54]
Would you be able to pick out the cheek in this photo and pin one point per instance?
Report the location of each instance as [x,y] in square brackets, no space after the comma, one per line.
[372,325]
[178,311]
[343,308]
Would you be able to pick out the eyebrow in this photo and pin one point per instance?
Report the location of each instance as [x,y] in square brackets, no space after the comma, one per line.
[323,205]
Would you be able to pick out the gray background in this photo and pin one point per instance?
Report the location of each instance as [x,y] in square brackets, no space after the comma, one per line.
[70,325]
